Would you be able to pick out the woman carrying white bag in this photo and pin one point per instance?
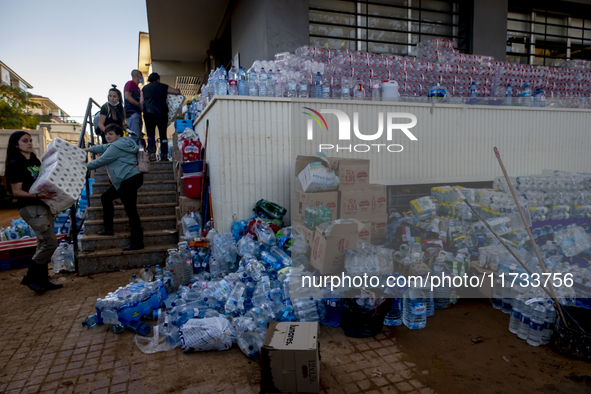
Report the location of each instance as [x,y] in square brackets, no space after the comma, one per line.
[22,169]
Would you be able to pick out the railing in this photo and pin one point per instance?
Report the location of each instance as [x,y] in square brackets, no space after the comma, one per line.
[83,143]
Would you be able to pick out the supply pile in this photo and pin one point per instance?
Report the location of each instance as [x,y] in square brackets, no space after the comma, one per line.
[439,73]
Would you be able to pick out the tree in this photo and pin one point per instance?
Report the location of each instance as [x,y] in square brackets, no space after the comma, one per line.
[15,105]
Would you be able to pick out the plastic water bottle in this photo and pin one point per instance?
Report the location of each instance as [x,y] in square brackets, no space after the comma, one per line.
[508,95]
[263,83]
[525,95]
[292,87]
[90,321]
[441,293]
[232,82]
[279,84]
[526,312]
[241,82]
[140,328]
[414,313]
[168,282]
[159,275]
[376,90]
[539,98]
[325,87]
[346,89]
[284,259]
[235,294]
[318,85]
[394,316]
[536,324]
[497,296]
[222,81]
[548,323]
[303,87]
[252,83]
[271,83]
[473,90]
[518,305]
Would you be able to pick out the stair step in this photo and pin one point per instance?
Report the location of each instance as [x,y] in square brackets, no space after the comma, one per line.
[165,175]
[121,225]
[165,209]
[142,198]
[92,242]
[117,259]
[149,186]
[156,166]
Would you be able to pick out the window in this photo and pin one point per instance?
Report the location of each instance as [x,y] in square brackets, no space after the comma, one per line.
[542,37]
[385,26]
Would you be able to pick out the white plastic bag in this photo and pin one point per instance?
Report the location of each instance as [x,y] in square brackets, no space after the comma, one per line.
[214,333]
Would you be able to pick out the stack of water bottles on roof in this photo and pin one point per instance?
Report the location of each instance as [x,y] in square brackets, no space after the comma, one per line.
[439,73]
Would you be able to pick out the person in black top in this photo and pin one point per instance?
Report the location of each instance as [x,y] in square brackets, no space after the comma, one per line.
[153,103]
[112,112]
[22,169]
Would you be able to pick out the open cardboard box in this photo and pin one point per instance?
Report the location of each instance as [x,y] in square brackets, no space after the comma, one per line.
[290,358]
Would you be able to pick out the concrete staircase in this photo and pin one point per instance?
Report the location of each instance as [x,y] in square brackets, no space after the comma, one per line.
[157,199]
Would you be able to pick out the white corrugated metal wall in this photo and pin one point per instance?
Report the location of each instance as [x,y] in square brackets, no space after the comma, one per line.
[253,143]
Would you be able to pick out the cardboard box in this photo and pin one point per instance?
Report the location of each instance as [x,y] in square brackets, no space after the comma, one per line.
[378,227]
[353,173]
[188,205]
[178,171]
[379,205]
[365,232]
[355,204]
[180,186]
[304,200]
[303,173]
[290,358]
[328,252]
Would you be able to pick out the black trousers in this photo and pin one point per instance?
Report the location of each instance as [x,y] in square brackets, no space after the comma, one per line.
[128,194]
[151,123]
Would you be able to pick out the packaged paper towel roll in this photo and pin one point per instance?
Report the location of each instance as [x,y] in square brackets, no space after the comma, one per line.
[63,172]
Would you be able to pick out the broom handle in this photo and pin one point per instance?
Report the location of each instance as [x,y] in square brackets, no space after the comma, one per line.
[531,236]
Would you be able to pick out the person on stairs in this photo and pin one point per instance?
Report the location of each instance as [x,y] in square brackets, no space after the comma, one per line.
[153,102]
[112,112]
[22,169]
[120,157]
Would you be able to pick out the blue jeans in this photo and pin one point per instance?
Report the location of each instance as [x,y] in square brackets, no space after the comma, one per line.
[135,123]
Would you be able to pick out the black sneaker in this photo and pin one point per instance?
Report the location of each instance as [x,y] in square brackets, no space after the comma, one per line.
[106,232]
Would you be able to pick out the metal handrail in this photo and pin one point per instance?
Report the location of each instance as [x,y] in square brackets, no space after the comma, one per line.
[82,144]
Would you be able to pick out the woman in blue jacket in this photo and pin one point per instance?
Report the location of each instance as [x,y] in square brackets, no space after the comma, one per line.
[120,157]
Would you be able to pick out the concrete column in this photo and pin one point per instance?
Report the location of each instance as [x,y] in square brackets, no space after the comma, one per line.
[489,28]
[262,28]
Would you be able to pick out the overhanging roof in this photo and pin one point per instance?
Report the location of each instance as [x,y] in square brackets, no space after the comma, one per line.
[47,101]
[181,30]
[28,85]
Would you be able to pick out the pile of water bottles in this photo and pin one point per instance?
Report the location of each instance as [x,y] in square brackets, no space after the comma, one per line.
[438,73]
[18,230]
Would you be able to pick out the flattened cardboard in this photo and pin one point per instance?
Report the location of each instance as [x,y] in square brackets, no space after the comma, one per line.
[290,359]
[353,173]
[379,203]
[328,252]
[355,204]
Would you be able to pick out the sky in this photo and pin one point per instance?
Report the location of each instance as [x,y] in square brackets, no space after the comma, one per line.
[72,50]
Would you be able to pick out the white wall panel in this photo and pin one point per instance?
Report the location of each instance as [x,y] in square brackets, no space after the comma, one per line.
[251,149]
